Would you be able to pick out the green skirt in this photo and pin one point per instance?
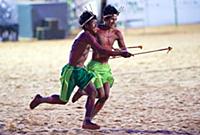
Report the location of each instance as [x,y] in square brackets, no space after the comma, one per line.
[102,73]
[73,76]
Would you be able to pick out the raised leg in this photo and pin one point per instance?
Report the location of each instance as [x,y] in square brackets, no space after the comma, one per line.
[79,93]
[54,99]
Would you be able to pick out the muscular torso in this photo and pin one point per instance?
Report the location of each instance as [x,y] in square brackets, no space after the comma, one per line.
[79,52]
[106,38]
[85,40]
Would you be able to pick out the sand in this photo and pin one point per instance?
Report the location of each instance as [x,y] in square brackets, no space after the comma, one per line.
[154,93]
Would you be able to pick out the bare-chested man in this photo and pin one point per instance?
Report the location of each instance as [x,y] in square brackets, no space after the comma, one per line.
[74,74]
[106,35]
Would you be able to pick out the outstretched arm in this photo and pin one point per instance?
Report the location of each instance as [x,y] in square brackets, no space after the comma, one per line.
[96,46]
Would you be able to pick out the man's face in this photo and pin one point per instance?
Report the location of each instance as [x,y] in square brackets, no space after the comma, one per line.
[111,21]
[92,26]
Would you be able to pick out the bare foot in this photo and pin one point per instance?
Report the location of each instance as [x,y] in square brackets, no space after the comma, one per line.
[90,125]
[77,95]
[35,102]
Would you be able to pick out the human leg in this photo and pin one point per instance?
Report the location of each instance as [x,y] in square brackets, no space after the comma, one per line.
[67,87]
[91,92]
[53,99]
[101,101]
[79,93]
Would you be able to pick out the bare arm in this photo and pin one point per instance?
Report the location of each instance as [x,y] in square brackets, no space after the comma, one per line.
[120,40]
[96,46]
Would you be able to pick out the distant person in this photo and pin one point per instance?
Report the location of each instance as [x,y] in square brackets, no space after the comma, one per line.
[106,35]
[74,73]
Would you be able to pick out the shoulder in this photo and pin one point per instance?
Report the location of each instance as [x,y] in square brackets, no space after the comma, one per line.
[88,37]
[80,35]
[117,31]
[84,35]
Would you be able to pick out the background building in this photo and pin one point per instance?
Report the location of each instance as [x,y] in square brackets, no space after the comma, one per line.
[144,13]
[49,19]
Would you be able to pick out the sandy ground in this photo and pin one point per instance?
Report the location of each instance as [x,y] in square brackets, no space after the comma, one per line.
[153,94]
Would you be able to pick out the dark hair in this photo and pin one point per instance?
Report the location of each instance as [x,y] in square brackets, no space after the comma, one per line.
[109,10]
[86,17]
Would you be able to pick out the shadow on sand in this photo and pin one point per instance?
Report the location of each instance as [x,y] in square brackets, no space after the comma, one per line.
[134,131]
[126,131]
[103,131]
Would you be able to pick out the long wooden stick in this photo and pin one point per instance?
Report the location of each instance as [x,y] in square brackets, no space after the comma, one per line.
[130,47]
[139,46]
[157,50]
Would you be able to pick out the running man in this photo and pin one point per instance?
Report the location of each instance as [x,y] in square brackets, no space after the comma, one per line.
[106,35]
[74,74]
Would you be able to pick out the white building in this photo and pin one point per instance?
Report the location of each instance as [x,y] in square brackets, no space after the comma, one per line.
[141,13]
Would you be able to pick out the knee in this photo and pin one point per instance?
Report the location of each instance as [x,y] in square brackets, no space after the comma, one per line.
[93,93]
[106,97]
[100,95]
[63,102]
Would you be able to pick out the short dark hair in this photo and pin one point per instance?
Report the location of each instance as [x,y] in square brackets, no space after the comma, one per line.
[86,17]
[110,10]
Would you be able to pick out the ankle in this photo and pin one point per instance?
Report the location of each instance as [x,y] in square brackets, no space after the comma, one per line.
[87,120]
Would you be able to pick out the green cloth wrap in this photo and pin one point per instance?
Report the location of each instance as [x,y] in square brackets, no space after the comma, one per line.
[102,73]
[73,76]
